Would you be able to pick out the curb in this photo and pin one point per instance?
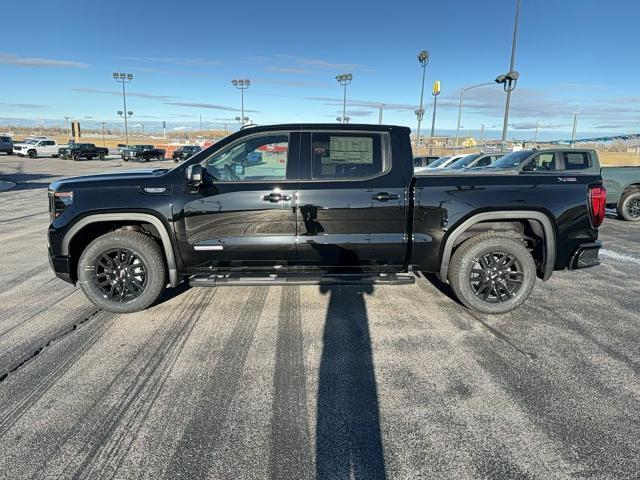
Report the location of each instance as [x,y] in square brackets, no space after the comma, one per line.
[4,185]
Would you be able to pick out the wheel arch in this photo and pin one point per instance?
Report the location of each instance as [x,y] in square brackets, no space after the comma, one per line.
[108,218]
[548,231]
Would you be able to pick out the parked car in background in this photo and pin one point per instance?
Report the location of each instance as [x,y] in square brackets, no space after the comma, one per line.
[185,151]
[551,160]
[78,151]
[121,147]
[474,160]
[34,148]
[142,153]
[343,207]
[6,144]
[424,160]
[440,163]
[623,191]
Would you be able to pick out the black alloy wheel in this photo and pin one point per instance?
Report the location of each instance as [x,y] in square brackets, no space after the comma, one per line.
[496,276]
[119,275]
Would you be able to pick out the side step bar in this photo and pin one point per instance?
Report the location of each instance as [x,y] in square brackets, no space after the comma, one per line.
[302,279]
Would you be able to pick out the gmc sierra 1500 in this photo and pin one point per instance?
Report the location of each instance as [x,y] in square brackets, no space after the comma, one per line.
[325,204]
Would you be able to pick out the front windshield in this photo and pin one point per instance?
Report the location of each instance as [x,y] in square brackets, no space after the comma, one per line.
[463,162]
[31,142]
[511,160]
[438,162]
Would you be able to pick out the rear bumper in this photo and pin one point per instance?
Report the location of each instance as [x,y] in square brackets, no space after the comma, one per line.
[586,255]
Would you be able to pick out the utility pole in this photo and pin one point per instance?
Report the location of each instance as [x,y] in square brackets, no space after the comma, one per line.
[575,124]
[201,135]
[535,138]
[344,79]
[423,59]
[104,144]
[124,78]
[482,136]
[66,126]
[435,92]
[380,109]
[511,84]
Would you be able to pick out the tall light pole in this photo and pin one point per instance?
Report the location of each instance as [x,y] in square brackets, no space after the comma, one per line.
[423,59]
[344,79]
[435,91]
[125,115]
[535,138]
[241,84]
[575,125]
[482,136]
[462,92]
[104,144]
[509,81]
[380,110]
[124,78]
[66,126]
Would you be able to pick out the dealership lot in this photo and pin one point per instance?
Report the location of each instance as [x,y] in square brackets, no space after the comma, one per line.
[302,382]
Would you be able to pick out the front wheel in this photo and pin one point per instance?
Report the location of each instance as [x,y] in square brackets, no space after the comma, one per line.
[32,154]
[492,274]
[101,156]
[629,206]
[122,271]
[75,157]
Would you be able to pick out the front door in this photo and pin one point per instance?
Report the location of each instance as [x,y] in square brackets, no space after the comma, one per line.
[243,216]
[351,203]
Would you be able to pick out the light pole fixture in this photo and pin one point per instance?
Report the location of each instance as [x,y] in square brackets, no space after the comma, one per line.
[423,59]
[435,91]
[242,120]
[344,79]
[125,115]
[510,79]
[124,78]
[241,84]
[462,92]
[343,119]
[508,82]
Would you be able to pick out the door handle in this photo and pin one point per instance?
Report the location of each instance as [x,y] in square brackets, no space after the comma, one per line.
[385,197]
[275,197]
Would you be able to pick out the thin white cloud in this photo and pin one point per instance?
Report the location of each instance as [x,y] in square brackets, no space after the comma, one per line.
[185,61]
[117,93]
[10,59]
[211,106]
[23,105]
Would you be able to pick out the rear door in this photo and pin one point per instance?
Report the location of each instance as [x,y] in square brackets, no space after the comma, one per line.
[351,202]
[243,217]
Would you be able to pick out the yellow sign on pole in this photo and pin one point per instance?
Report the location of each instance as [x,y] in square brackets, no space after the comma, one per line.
[436,87]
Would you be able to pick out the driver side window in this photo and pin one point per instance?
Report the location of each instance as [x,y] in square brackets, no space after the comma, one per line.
[260,157]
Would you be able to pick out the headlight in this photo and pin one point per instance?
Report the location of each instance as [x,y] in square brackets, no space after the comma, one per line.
[58,201]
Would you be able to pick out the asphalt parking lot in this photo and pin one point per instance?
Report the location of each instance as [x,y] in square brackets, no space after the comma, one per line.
[307,382]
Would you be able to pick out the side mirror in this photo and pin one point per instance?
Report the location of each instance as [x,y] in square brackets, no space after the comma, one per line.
[194,175]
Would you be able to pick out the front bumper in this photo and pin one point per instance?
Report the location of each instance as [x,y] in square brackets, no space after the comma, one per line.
[586,255]
[61,266]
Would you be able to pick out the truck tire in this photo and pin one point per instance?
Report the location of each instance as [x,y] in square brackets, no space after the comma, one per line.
[32,154]
[629,206]
[75,157]
[101,156]
[492,274]
[122,271]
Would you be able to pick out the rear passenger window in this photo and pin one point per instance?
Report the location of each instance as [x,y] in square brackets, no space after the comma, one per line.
[576,160]
[346,156]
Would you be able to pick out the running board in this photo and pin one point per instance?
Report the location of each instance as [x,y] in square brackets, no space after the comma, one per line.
[301,279]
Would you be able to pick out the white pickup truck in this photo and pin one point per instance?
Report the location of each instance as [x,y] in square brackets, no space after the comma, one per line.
[36,147]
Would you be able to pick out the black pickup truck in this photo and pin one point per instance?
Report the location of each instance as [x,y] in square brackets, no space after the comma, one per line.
[326,204]
[76,151]
[142,153]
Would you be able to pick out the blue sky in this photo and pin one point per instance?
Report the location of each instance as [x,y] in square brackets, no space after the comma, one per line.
[57,61]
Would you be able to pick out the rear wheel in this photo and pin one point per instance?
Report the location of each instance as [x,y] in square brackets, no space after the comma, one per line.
[32,154]
[122,271]
[75,157]
[492,274]
[101,156]
[629,206]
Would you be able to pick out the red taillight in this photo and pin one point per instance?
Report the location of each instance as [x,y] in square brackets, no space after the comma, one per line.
[597,202]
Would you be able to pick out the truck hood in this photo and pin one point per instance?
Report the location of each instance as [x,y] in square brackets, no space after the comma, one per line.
[104,179]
